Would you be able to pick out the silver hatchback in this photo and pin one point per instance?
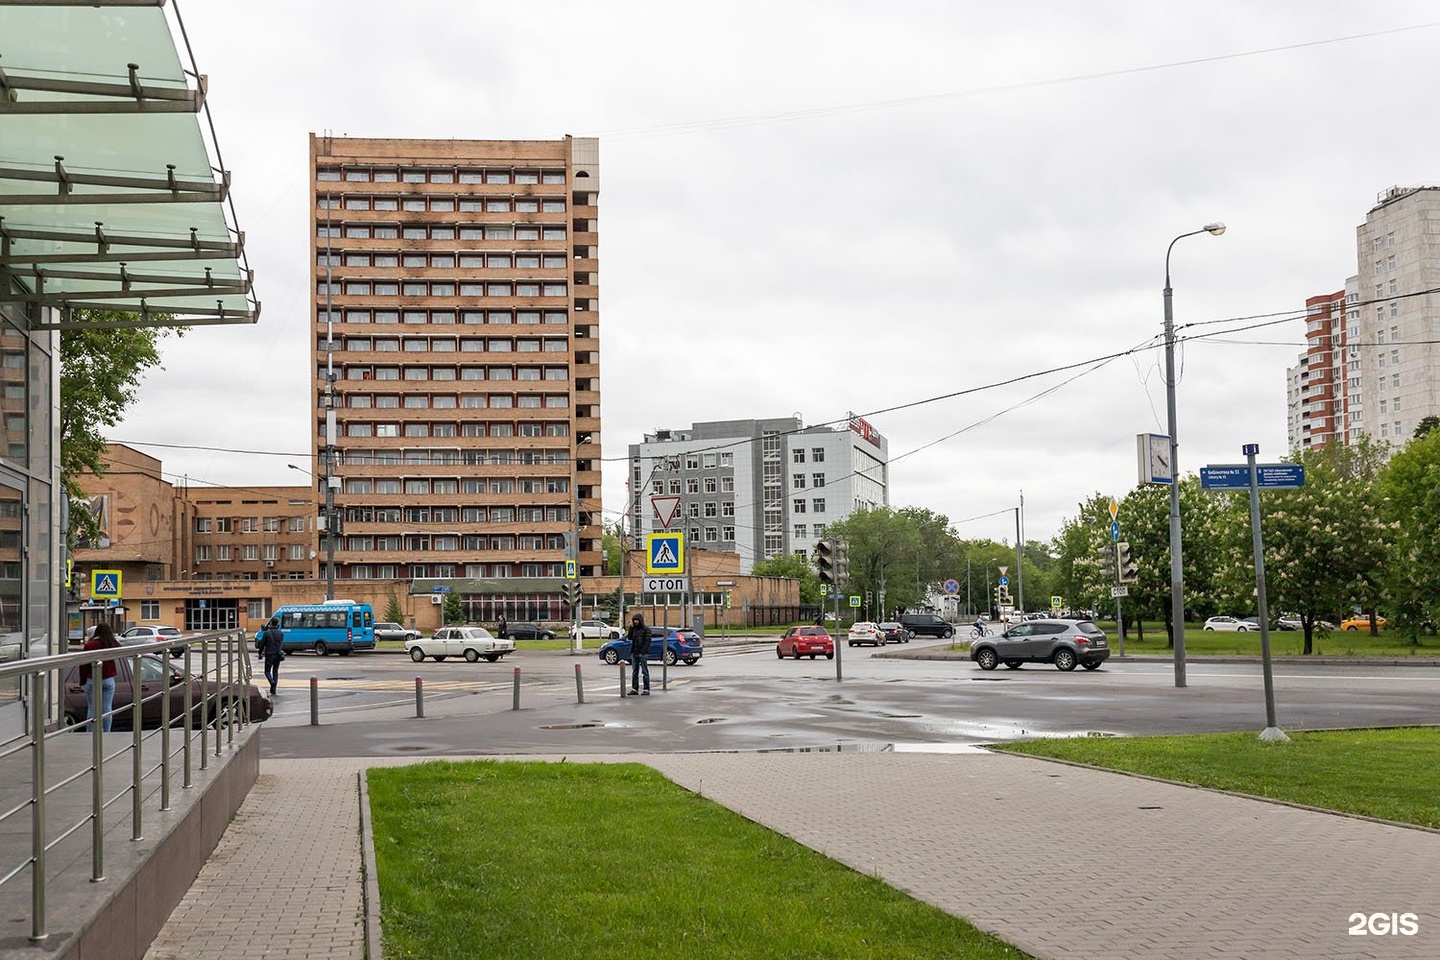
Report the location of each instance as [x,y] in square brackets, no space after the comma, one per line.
[1064,643]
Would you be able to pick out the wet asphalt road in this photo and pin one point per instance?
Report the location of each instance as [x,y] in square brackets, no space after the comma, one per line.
[740,697]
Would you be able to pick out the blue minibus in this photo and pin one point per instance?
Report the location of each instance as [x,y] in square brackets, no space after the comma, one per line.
[335,625]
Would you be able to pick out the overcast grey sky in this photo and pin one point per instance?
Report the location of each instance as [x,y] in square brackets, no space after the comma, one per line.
[814,208]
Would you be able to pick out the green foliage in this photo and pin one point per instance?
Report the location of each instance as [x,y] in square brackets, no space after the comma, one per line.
[1426,425]
[1325,542]
[393,611]
[453,609]
[796,568]
[1390,774]
[100,373]
[612,544]
[1409,507]
[668,874]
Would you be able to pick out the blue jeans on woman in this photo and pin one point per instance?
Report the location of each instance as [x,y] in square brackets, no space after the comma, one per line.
[107,701]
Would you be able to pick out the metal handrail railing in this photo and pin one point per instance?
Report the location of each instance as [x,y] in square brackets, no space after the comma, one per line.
[214,697]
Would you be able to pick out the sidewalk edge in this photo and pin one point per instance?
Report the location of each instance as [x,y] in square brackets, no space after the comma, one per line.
[369,879]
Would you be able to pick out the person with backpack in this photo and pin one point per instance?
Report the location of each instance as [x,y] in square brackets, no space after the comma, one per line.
[639,637]
[271,646]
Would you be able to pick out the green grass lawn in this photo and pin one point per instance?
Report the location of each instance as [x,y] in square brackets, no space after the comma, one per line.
[554,860]
[1391,774]
[1282,642]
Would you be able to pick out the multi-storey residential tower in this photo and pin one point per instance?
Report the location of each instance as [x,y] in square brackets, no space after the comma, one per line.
[1393,357]
[761,488]
[455,343]
[1317,388]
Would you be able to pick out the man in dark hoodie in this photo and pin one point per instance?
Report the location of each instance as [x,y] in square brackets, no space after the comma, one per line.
[639,637]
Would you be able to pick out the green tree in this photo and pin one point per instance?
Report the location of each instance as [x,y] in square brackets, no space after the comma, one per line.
[1426,425]
[795,567]
[393,611]
[611,543]
[453,609]
[1324,543]
[1079,550]
[100,373]
[1409,500]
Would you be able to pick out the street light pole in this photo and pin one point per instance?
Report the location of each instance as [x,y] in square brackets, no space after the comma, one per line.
[1177,575]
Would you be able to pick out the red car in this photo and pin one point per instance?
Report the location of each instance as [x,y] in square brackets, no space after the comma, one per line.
[803,641]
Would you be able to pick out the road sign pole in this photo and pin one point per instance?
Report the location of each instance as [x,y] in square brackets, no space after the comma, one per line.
[1271,731]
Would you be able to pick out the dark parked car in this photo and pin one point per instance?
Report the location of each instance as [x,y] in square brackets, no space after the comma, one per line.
[679,645]
[155,673]
[1061,642]
[894,632]
[927,625]
[528,631]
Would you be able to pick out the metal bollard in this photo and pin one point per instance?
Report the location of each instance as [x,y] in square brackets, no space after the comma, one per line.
[622,680]
[579,686]
[314,701]
[516,704]
[664,667]
[419,697]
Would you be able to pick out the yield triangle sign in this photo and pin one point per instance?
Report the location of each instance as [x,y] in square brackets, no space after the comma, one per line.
[665,509]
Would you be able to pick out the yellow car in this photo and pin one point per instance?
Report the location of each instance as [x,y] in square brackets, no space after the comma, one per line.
[1361,623]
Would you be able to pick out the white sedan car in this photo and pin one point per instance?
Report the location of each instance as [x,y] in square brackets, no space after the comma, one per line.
[863,631]
[472,643]
[597,630]
[1231,624]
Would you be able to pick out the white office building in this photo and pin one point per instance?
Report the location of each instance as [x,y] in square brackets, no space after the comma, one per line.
[1392,356]
[760,488]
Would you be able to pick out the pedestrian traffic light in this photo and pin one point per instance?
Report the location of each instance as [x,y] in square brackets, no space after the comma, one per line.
[1107,560]
[1129,569]
[842,561]
[825,561]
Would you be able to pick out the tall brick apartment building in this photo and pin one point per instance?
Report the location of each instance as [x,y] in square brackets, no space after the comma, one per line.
[456,357]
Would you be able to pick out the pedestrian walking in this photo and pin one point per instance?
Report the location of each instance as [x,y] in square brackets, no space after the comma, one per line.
[501,627]
[271,646]
[639,637]
[101,639]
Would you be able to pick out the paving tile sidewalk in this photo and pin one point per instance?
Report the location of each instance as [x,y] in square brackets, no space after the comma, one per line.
[1062,861]
[285,879]
[1067,862]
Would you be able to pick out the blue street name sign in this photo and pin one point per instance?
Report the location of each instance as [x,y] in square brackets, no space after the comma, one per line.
[1268,476]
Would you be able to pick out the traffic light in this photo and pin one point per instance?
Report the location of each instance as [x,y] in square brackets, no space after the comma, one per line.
[1129,569]
[825,561]
[570,590]
[842,561]
[1000,597]
[1107,559]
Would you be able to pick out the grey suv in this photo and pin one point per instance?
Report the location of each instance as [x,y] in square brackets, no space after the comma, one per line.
[927,625]
[1061,642]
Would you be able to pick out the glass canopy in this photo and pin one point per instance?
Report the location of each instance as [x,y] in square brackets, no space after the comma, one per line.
[111,195]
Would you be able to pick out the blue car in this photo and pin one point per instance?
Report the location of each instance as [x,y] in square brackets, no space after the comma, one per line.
[679,645]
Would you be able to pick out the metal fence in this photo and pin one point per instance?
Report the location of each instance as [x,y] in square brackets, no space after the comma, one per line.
[211,686]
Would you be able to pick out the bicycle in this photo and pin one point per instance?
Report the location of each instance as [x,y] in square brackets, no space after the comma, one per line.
[976,633]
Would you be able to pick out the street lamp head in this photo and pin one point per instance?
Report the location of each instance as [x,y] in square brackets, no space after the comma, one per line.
[1215,229]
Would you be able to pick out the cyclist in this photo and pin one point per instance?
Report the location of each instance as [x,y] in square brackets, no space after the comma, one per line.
[979,627]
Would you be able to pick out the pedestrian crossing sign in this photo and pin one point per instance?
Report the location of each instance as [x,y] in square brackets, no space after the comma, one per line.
[105,583]
[665,553]
[569,569]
